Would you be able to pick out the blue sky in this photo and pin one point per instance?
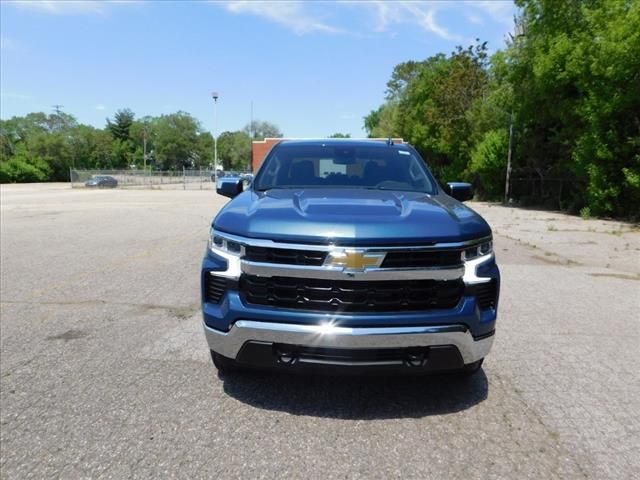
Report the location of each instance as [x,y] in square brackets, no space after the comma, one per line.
[312,68]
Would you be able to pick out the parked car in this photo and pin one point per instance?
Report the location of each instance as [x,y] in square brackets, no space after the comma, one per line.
[217,175]
[247,178]
[348,255]
[101,181]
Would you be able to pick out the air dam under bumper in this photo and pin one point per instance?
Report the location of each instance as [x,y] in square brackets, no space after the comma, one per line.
[242,332]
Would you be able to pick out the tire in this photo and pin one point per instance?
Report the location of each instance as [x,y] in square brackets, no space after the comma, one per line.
[224,364]
[471,368]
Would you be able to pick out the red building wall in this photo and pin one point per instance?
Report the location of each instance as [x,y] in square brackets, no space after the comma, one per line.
[260,150]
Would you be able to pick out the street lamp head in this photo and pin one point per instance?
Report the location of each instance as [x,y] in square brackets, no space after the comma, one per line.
[215,96]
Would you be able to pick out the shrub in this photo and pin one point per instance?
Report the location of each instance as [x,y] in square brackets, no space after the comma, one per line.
[17,170]
[489,162]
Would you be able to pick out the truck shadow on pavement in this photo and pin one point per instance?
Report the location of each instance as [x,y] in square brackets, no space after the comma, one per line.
[357,398]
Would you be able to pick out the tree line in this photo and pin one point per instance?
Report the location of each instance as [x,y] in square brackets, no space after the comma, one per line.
[38,147]
[567,87]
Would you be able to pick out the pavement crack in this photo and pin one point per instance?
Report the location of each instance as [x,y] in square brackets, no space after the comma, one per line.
[553,434]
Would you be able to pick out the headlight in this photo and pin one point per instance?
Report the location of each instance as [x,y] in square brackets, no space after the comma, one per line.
[219,243]
[479,250]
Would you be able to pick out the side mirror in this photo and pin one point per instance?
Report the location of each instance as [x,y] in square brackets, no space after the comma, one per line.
[229,187]
[460,191]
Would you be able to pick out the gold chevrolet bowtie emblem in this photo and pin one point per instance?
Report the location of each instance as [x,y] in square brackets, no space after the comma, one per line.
[354,259]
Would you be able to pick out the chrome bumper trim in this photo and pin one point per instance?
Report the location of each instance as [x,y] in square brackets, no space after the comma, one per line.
[331,336]
[327,273]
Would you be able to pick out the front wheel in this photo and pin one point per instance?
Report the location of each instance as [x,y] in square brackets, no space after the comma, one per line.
[224,364]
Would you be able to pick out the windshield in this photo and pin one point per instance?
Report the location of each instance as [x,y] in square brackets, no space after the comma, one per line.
[340,166]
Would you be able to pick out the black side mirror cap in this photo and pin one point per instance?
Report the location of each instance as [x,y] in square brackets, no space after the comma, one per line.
[460,191]
[229,187]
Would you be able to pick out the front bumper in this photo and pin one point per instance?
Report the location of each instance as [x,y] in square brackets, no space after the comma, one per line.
[329,336]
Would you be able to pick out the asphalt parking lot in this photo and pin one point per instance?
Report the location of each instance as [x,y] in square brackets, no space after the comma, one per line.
[105,372]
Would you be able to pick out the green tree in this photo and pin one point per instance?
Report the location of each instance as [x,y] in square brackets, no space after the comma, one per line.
[178,143]
[382,122]
[36,147]
[259,130]
[122,154]
[205,150]
[139,130]
[427,104]
[88,145]
[489,163]
[340,135]
[576,80]
[54,149]
[121,124]
[23,167]
[101,150]
[17,170]
[234,150]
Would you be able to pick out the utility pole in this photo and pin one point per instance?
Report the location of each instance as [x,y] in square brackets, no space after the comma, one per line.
[215,96]
[144,146]
[508,177]
[251,122]
[57,109]
[520,32]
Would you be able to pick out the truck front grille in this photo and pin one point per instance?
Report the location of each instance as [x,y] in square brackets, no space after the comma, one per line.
[393,259]
[425,258]
[351,296]
[284,256]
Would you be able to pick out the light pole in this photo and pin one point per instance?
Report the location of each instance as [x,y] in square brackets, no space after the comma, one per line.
[215,96]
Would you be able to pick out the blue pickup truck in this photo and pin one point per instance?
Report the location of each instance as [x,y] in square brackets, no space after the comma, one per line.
[347,255]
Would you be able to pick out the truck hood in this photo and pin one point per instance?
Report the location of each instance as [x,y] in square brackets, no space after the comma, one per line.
[350,217]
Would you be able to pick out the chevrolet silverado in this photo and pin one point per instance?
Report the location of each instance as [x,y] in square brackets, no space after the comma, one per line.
[348,255]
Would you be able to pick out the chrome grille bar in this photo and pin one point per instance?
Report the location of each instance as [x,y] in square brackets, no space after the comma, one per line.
[329,273]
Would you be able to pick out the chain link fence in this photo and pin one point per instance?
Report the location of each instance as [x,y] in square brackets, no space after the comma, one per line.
[552,192]
[201,179]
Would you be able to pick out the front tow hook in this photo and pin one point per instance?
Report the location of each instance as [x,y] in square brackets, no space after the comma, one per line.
[286,358]
[415,359]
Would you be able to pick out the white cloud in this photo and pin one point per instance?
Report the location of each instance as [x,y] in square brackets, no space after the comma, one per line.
[423,13]
[302,17]
[499,11]
[7,44]
[385,13]
[289,14]
[374,15]
[425,16]
[475,19]
[70,7]
[100,107]
[16,96]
